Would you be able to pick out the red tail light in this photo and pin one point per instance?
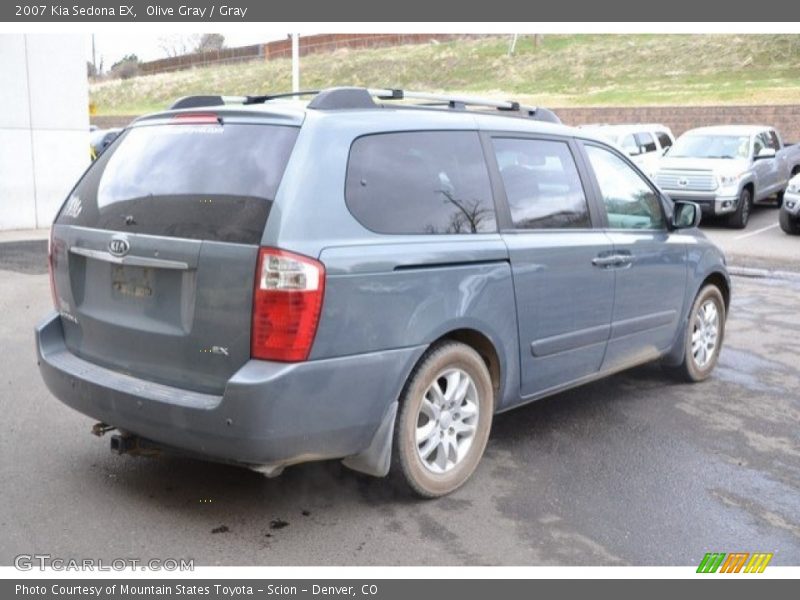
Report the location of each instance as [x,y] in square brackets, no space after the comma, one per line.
[286,305]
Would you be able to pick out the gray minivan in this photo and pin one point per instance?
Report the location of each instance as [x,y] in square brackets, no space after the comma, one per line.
[266,282]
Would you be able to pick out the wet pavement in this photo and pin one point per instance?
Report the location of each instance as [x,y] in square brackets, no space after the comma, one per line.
[635,469]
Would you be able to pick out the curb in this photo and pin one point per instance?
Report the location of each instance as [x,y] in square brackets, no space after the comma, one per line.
[757,273]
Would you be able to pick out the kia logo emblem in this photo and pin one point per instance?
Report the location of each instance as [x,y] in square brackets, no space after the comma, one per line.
[683,182]
[119,246]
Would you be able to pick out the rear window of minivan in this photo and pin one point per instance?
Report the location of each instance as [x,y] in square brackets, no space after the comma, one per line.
[210,182]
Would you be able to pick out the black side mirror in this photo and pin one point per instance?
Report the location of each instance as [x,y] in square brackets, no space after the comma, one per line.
[685,215]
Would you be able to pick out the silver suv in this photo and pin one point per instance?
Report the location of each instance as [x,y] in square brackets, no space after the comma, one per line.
[264,282]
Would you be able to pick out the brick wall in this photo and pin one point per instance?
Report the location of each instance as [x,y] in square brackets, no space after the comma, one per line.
[309,44]
[785,118]
[313,44]
[198,59]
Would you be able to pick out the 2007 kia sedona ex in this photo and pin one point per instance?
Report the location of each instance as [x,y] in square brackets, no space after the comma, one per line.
[264,281]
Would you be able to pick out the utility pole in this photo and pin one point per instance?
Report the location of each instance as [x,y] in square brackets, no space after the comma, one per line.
[513,45]
[94,58]
[295,62]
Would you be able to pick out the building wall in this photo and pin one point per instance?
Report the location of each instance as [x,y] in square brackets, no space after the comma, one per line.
[44,125]
[784,117]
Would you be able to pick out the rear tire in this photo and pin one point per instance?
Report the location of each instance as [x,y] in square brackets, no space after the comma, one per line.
[705,332]
[788,224]
[739,219]
[444,420]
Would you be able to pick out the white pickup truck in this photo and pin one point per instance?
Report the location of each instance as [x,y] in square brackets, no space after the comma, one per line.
[725,169]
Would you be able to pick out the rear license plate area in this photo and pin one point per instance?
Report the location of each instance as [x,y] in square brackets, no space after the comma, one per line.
[132,282]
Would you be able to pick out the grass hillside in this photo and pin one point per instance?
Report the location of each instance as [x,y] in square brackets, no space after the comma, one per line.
[565,70]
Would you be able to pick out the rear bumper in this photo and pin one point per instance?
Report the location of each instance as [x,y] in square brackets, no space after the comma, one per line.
[710,203]
[269,414]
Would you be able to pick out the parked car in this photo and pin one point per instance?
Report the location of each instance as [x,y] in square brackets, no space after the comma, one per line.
[726,169]
[100,139]
[267,283]
[645,143]
[789,217]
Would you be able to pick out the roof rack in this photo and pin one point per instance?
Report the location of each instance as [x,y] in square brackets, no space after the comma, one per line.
[210,100]
[358,97]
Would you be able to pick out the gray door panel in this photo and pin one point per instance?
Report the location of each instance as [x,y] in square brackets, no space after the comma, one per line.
[649,295]
[564,305]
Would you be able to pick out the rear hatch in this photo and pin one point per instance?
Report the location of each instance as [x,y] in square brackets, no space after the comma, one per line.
[155,250]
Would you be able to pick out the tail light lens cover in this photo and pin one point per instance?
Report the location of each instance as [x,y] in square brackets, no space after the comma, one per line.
[287,302]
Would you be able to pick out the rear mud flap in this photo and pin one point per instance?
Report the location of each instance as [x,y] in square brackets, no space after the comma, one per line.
[376,459]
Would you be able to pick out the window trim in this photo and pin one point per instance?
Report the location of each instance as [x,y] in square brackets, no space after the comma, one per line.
[504,220]
[497,227]
[599,193]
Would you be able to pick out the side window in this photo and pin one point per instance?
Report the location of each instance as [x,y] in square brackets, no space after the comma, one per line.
[630,145]
[664,139]
[774,142]
[420,182]
[542,184]
[759,144]
[630,202]
[646,142]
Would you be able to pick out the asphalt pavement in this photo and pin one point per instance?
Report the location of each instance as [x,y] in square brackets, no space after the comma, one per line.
[762,244]
[635,469]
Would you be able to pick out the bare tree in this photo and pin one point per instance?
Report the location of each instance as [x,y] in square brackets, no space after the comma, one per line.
[177,44]
[470,214]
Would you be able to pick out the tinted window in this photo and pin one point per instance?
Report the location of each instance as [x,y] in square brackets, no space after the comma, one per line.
[630,202]
[664,139]
[214,182]
[646,142]
[420,182]
[542,184]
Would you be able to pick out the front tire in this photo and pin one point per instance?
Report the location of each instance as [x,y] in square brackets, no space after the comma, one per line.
[444,420]
[704,335]
[788,224]
[739,219]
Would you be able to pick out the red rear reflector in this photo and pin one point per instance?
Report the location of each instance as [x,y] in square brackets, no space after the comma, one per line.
[287,301]
[197,119]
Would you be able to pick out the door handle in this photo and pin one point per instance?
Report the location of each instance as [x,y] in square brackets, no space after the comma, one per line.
[613,260]
[605,261]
